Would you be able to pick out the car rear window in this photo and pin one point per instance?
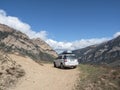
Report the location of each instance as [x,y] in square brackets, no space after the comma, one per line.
[69,57]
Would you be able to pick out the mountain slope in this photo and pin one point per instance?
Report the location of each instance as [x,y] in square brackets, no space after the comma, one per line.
[13,41]
[105,53]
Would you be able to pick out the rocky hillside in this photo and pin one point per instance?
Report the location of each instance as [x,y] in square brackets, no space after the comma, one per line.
[10,72]
[13,41]
[105,53]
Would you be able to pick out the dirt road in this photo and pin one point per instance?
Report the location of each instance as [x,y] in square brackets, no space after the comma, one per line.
[44,77]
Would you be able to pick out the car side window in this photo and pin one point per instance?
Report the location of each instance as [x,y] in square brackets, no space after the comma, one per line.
[64,57]
[59,57]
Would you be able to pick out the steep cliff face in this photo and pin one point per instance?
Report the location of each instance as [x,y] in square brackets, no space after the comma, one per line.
[105,53]
[13,41]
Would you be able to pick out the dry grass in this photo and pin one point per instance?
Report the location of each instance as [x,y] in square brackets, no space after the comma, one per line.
[98,78]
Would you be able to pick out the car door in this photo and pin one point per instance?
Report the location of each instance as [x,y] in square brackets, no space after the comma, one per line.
[58,61]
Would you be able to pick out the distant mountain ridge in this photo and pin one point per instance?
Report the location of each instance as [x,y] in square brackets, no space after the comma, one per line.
[104,53]
[14,41]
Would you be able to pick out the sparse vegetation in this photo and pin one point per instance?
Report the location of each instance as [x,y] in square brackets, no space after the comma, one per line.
[98,78]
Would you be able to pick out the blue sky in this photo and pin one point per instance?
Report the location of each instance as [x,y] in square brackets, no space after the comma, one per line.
[67,22]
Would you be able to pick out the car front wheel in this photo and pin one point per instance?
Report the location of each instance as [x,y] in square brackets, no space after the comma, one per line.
[61,66]
[54,64]
[74,66]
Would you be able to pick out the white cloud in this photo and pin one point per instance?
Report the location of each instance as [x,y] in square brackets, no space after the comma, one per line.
[116,34]
[2,12]
[17,24]
[60,46]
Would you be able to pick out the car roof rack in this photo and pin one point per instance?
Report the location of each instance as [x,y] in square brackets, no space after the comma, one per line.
[67,52]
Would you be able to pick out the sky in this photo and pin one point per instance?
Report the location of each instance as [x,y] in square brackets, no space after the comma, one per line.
[64,24]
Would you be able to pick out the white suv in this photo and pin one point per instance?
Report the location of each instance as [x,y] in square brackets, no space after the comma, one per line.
[66,59]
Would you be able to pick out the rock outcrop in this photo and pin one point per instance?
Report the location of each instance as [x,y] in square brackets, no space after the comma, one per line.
[10,71]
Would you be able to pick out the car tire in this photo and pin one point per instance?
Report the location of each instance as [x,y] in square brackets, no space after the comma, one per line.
[74,66]
[54,64]
[61,66]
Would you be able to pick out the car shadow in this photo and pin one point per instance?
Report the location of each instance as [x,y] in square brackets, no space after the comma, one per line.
[65,68]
